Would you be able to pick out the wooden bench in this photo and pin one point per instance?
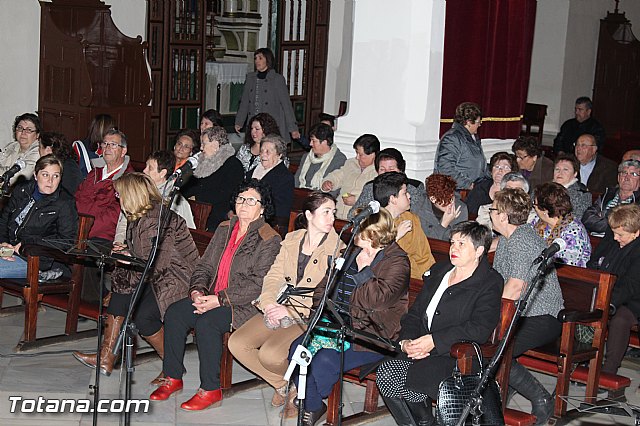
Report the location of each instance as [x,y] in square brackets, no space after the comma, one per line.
[201,212]
[63,293]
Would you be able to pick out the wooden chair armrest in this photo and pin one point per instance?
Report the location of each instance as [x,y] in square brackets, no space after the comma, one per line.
[465,350]
[566,315]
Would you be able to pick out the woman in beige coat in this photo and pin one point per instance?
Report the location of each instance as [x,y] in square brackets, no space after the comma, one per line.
[262,343]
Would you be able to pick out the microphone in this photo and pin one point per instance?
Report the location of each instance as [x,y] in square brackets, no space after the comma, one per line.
[19,165]
[288,290]
[558,245]
[189,166]
[372,208]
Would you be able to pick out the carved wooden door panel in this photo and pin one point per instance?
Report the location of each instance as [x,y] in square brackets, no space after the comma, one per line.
[303,34]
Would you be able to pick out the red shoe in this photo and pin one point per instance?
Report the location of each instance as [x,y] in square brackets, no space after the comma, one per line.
[168,387]
[203,399]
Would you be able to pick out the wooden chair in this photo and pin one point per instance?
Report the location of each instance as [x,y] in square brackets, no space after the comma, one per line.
[299,195]
[63,294]
[533,121]
[201,212]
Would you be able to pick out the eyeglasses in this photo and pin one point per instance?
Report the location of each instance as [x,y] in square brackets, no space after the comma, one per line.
[523,157]
[492,209]
[630,174]
[497,167]
[110,145]
[584,145]
[248,201]
[26,130]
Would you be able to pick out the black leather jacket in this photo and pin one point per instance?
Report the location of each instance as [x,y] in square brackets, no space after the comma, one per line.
[53,216]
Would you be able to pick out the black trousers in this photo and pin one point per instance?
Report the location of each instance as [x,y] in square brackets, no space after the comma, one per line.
[146,316]
[209,327]
[618,339]
[532,332]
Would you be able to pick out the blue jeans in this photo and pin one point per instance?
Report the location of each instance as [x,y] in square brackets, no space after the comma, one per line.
[15,269]
[324,371]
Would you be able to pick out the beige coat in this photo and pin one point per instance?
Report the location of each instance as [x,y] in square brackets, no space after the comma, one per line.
[11,153]
[286,266]
[349,179]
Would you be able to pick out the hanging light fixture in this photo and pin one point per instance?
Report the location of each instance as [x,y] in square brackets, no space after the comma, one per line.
[623,33]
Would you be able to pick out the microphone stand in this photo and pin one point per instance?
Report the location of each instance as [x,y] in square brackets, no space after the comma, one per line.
[128,329]
[474,404]
[302,356]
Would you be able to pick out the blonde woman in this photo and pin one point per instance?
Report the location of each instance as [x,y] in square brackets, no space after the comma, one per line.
[168,279]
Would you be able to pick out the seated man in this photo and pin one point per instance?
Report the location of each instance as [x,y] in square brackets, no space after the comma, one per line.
[632,154]
[443,208]
[351,178]
[582,123]
[390,190]
[596,172]
[324,158]
[391,160]
[627,192]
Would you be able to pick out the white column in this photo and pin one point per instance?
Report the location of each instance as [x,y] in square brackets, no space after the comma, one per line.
[396,79]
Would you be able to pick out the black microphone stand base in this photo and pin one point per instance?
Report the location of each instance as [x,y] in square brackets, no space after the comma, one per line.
[612,407]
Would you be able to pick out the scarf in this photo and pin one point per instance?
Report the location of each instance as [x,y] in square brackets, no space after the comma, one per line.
[318,177]
[259,172]
[571,182]
[209,165]
[556,231]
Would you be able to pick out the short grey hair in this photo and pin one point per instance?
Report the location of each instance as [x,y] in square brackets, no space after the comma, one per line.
[629,163]
[278,143]
[218,134]
[116,131]
[514,177]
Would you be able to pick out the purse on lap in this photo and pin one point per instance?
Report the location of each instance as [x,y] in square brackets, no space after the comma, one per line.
[455,391]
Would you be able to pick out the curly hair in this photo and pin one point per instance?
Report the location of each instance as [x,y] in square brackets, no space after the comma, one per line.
[553,198]
[268,124]
[467,111]
[378,228]
[312,203]
[441,187]
[216,133]
[262,188]
[138,194]
[60,146]
[515,203]
[279,144]
[528,144]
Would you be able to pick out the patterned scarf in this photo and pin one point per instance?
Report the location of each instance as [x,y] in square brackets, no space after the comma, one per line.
[556,231]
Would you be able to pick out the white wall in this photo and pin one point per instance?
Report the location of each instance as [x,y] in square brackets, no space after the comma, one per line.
[564,53]
[20,35]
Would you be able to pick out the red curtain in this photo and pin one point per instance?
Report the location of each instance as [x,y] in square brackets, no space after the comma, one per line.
[487,59]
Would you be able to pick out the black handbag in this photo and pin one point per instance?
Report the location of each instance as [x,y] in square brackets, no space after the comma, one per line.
[455,391]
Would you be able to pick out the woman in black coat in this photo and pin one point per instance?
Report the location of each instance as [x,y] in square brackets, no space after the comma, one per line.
[460,300]
[38,209]
[217,175]
[619,254]
[272,171]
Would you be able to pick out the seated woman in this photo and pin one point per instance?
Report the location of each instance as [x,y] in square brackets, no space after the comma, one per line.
[518,246]
[224,284]
[554,219]
[510,180]
[56,218]
[354,174]
[89,148]
[277,176]
[469,311]
[209,119]
[217,176]
[26,131]
[534,166]
[58,145]
[565,172]
[372,295]
[619,254]
[166,282]
[482,193]
[444,208]
[249,152]
[263,342]
[185,144]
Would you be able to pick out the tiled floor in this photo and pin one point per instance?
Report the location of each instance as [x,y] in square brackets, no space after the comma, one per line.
[61,376]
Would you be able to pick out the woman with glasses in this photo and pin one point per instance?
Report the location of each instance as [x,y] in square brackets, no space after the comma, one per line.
[167,280]
[185,144]
[224,284]
[26,131]
[482,193]
[218,173]
[565,172]
[533,164]
[262,344]
[459,152]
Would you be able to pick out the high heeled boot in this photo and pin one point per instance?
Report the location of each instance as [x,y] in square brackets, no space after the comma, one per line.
[107,358]
[156,340]
[525,384]
[422,412]
[400,411]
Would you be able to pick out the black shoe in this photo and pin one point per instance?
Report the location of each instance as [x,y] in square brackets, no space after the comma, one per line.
[310,418]
[542,403]
[422,413]
[400,411]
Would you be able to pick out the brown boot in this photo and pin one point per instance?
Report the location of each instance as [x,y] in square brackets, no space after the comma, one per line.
[290,411]
[156,340]
[107,358]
